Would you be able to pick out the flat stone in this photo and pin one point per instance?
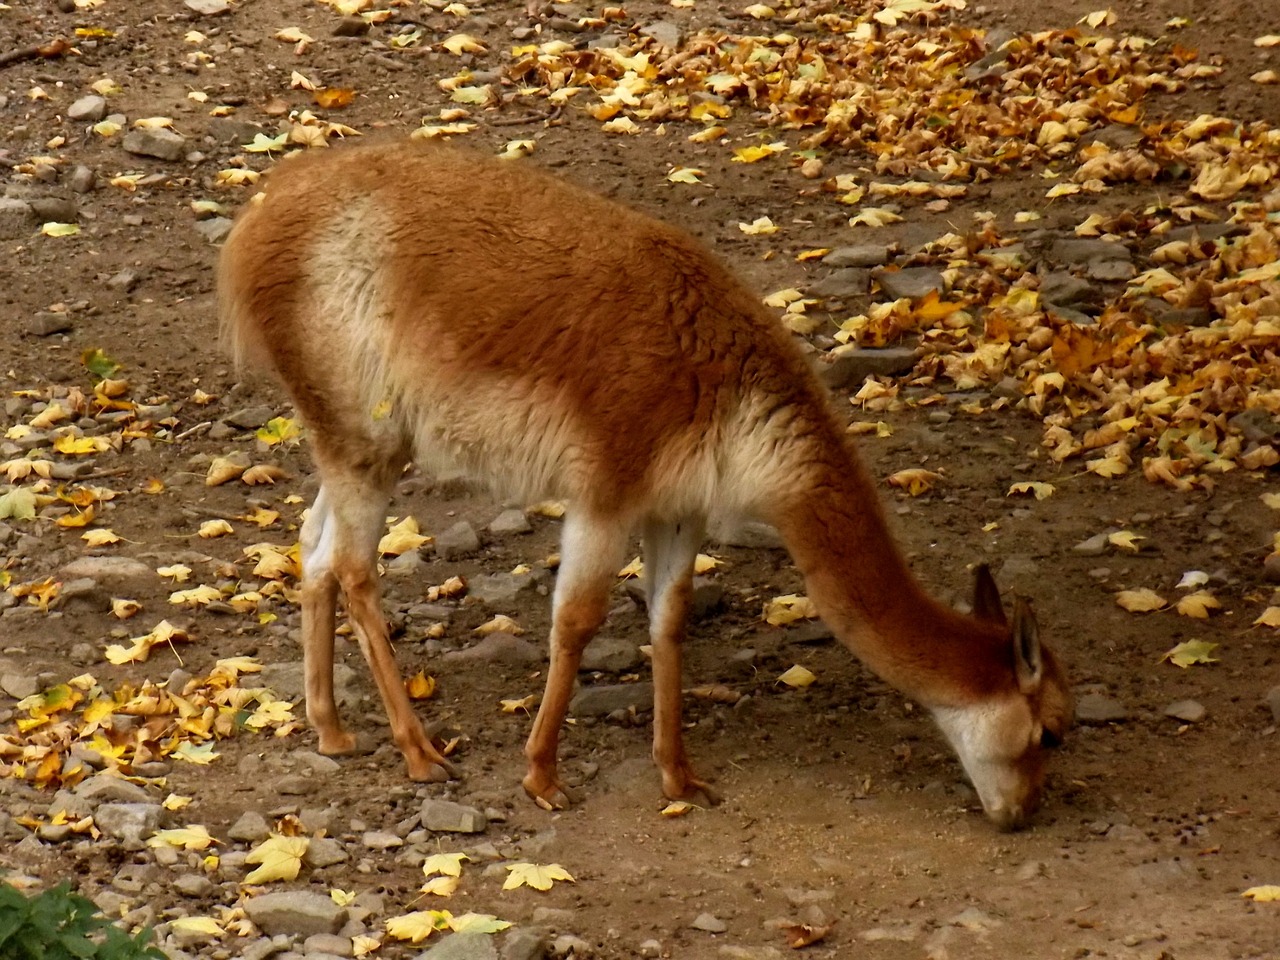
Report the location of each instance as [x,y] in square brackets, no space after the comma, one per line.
[445,816]
[1098,708]
[1111,271]
[82,179]
[47,322]
[108,788]
[381,840]
[286,680]
[17,219]
[522,944]
[1273,701]
[1069,315]
[849,365]
[160,143]
[1256,425]
[19,685]
[130,822]
[328,943]
[510,521]
[611,655]
[707,596]
[214,229]
[912,282]
[664,32]
[463,946]
[91,107]
[603,699]
[250,418]
[498,648]
[751,534]
[324,852]
[1085,250]
[58,209]
[250,827]
[458,540]
[860,255]
[1065,289]
[208,8]
[841,283]
[295,912]
[709,923]
[1095,546]
[498,589]
[1188,711]
[193,885]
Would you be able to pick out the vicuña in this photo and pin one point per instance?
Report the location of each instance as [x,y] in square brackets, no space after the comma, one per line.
[424,304]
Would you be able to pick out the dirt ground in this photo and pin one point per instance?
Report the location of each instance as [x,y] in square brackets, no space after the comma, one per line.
[842,803]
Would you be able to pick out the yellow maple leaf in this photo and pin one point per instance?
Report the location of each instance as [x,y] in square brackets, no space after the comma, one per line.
[179,572]
[915,480]
[212,529]
[685,175]
[797,676]
[263,473]
[1125,540]
[280,858]
[440,886]
[401,538]
[1267,893]
[524,703]
[1198,604]
[677,808]
[444,864]
[123,609]
[1036,488]
[1190,652]
[196,596]
[705,564]
[633,569]
[477,923]
[362,945]
[1270,617]
[874,217]
[1143,600]
[197,925]
[538,876]
[100,538]
[420,686]
[261,516]
[416,927]
[176,801]
[73,446]
[789,608]
[761,226]
[499,624]
[184,838]
[163,632]
[73,521]
[343,898]
[461,43]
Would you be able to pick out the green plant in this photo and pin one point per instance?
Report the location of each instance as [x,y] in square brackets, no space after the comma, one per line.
[60,925]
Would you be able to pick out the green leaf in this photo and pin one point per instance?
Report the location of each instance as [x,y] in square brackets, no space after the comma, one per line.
[98,363]
[1192,651]
[18,504]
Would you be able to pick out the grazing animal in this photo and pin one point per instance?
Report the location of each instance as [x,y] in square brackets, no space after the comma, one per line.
[421,303]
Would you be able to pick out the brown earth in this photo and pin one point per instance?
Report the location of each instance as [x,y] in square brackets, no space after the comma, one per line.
[842,802]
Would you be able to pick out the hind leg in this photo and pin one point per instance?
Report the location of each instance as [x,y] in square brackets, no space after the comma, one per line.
[340,542]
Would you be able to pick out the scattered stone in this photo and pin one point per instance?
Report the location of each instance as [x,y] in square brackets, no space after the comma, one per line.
[752,534]
[498,589]
[603,699]
[47,322]
[1188,711]
[1273,701]
[92,108]
[499,648]
[214,229]
[849,364]
[408,564]
[445,816]
[82,179]
[381,840]
[294,785]
[1064,289]
[208,8]
[1031,870]
[250,418]
[1095,546]
[861,255]
[17,219]
[971,918]
[57,209]
[330,943]
[611,655]
[707,596]
[1098,708]
[841,284]
[160,142]
[109,788]
[251,827]
[463,946]
[730,952]
[286,680]
[1017,566]
[124,281]
[709,923]
[567,945]
[128,822]
[664,32]
[1087,250]
[521,944]
[19,685]
[351,27]
[913,282]
[1256,425]
[296,912]
[510,521]
[193,884]
[459,540]
[1069,315]
[1111,271]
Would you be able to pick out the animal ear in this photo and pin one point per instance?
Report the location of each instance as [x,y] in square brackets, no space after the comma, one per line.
[1028,661]
[986,597]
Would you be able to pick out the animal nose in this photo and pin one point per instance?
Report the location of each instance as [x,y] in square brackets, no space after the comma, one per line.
[1009,819]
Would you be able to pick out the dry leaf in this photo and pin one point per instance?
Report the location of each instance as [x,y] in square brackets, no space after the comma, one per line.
[797,676]
[1191,652]
[534,875]
[915,480]
[1143,600]
[783,610]
[499,624]
[1198,605]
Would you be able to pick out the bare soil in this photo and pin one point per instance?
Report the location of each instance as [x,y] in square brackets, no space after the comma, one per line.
[842,802]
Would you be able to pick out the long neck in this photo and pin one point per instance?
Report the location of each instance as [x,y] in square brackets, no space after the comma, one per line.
[835,530]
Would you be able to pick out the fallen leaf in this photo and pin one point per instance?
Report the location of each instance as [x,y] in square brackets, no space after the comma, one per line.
[677,808]
[401,538]
[197,925]
[501,623]
[420,686]
[803,934]
[874,217]
[1192,579]
[1198,605]
[797,676]
[416,927]
[1143,600]
[224,469]
[123,609]
[525,704]
[1267,893]
[761,226]
[789,608]
[280,858]
[477,923]
[263,473]
[915,480]
[1190,652]
[1038,489]
[440,886]
[446,864]
[211,529]
[1269,617]
[54,229]
[685,175]
[1125,540]
[184,838]
[534,875]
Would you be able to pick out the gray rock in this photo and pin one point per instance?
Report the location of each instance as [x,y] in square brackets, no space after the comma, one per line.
[499,589]
[250,418]
[611,655]
[295,912]
[445,816]
[1098,708]
[208,8]
[603,699]
[82,179]
[567,945]
[1095,546]
[1086,250]
[65,801]
[324,852]
[1069,315]
[709,923]
[1273,701]
[459,540]
[193,885]
[841,283]
[1188,711]
[91,107]
[664,32]
[161,143]
[47,322]
[109,788]
[1271,568]
[107,569]
[522,944]
[1111,271]
[381,840]
[751,534]
[129,822]
[1065,289]
[510,521]
[17,219]
[286,680]
[861,255]
[498,648]
[849,365]
[408,564]
[329,943]
[19,685]
[913,282]
[251,827]
[264,947]
[58,209]
[214,229]
[1256,425]
[124,281]
[463,946]
[707,596]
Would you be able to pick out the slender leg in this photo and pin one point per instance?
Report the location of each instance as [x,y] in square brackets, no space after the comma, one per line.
[349,515]
[592,550]
[669,553]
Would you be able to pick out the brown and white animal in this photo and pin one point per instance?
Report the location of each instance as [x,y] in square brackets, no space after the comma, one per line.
[560,345]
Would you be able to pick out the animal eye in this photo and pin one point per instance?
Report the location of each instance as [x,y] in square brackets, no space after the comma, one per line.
[1049,740]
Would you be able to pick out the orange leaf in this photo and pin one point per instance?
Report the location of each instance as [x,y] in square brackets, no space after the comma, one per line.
[331,98]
